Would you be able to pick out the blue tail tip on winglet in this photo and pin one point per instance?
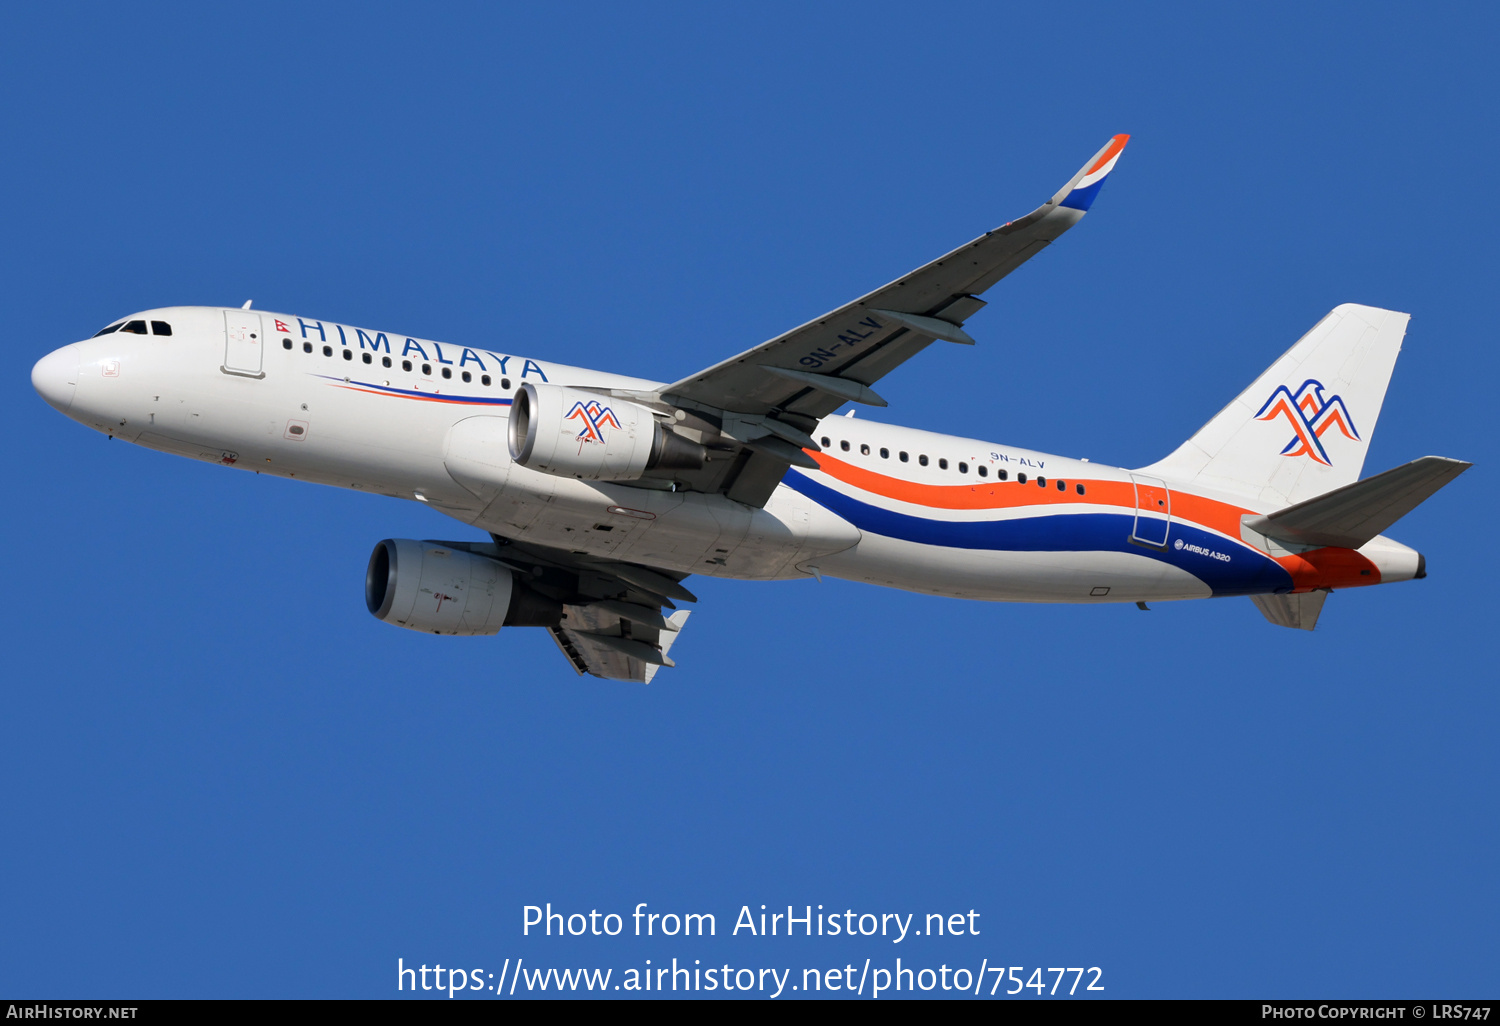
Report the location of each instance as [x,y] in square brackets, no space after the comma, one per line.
[1082,196]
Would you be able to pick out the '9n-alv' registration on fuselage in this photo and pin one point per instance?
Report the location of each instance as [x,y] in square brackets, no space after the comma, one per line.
[601,493]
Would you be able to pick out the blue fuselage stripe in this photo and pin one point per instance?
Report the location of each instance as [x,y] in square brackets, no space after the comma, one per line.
[1232,568]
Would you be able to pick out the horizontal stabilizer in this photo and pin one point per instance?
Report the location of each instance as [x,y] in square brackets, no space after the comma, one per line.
[1297,611]
[1350,516]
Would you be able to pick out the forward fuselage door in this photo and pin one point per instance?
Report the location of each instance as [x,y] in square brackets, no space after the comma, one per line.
[244,343]
[1153,511]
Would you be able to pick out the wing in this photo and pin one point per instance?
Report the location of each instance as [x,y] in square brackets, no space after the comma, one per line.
[755,410]
[613,625]
[599,650]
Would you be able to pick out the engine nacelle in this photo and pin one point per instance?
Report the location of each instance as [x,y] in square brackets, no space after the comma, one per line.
[438,589]
[570,433]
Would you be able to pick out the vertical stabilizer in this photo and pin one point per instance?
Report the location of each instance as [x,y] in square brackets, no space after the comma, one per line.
[1304,426]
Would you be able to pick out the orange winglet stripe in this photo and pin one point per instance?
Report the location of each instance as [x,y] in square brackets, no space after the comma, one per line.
[1115,146]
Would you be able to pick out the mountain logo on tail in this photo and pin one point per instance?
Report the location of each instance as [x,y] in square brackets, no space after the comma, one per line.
[595,417]
[1310,415]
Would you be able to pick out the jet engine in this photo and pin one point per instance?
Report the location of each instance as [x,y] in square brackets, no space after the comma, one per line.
[571,433]
[441,589]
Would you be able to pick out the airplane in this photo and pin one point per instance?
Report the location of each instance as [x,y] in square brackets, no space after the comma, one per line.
[600,493]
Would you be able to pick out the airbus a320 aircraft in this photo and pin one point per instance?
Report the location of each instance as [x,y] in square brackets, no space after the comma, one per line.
[600,493]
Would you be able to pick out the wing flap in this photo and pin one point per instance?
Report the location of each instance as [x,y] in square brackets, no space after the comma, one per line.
[585,641]
[612,625]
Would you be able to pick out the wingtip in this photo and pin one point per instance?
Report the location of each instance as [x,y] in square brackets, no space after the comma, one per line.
[1086,186]
[1105,159]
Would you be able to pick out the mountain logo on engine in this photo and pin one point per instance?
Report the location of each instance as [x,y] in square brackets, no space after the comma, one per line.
[595,417]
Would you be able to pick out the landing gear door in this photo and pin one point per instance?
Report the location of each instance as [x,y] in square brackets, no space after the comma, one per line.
[1153,511]
[244,344]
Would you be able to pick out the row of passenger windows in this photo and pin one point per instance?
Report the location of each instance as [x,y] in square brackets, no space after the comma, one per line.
[406,365]
[136,328]
[963,467]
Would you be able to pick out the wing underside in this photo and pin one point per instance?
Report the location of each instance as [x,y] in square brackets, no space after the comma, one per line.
[610,619]
[595,645]
[754,411]
[753,414]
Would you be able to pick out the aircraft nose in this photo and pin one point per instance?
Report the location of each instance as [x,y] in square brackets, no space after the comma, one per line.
[55,377]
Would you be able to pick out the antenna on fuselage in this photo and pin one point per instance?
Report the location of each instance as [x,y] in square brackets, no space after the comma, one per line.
[246,306]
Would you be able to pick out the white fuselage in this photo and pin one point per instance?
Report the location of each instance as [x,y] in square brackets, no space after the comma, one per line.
[331,404]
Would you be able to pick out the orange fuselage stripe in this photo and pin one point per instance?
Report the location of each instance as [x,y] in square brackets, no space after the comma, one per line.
[1321,568]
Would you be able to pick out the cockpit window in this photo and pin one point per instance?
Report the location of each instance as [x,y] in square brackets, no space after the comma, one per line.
[160,328]
[105,331]
[135,328]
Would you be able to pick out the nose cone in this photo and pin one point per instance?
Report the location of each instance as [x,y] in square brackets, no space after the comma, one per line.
[55,377]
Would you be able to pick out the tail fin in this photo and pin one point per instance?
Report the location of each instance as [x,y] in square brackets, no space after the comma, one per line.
[1304,426]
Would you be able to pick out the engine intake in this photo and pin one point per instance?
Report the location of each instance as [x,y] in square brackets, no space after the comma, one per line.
[564,431]
[437,589]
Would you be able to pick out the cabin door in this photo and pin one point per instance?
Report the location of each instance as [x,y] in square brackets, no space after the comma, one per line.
[244,343]
[1153,511]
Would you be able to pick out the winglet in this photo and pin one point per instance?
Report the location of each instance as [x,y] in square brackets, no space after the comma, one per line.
[1080,192]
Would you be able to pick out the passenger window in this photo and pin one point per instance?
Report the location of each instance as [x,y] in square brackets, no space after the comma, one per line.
[105,331]
[286,343]
[427,369]
[943,463]
[307,347]
[328,350]
[864,450]
[1002,474]
[904,458]
[484,379]
[963,468]
[505,383]
[367,358]
[922,459]
[348,354]
[1062,486]
[467,377]
[885,454]
[135,328]
[844,445]
[984,471]
[160,328]
[385,361]
[1041,482]
[406,365]
[1021,478]
[1080,489]
[826,443]
[447,372]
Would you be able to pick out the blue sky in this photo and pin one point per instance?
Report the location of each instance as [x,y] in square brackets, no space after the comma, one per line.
[222,777]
